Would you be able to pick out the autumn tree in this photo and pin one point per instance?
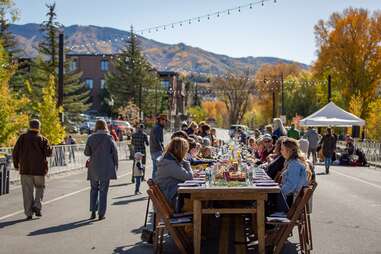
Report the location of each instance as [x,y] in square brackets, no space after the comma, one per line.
[268,79]
[349,48]
[12,108]
[48,113]
[235,93]
[216,110]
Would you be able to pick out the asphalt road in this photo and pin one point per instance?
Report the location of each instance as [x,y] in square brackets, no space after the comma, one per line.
[346,216]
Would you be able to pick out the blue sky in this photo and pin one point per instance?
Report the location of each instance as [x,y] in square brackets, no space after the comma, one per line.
[283,29]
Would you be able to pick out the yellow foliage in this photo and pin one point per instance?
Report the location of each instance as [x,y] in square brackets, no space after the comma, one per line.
[12,118]
[373,123]
[51,126]
[216,110]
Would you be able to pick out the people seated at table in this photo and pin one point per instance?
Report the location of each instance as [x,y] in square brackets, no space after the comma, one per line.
[213,137]
[205,131]
[296,172]
[180,134]
[276,163]
[172,169]
[193,154]
[279,129]
[252,145]
[267,147]
[192,129]
[241,136]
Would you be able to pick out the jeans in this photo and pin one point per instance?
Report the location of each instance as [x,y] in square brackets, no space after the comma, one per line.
[327,162]
[154,157]
[99,188]
[313,152]
[137,183]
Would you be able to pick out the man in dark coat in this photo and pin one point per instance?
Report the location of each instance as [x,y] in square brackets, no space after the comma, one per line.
[29,157]
[139,142]
[328,143]
[156,140]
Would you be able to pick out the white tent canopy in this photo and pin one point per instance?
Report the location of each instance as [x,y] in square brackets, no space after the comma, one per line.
[332,115]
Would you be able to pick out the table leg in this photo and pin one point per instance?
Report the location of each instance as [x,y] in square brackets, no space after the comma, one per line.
[197,216]
[261,226]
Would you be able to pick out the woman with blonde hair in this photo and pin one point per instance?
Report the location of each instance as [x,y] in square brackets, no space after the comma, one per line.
[296,172]
[279,129]
[172,169]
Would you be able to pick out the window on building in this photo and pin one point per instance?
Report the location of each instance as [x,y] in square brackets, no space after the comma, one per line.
[165,84]
[73,65]
[89,83]
[103,84]
[104,65]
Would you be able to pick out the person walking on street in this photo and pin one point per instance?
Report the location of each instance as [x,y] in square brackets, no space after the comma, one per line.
[139,142]
[313,139]
[138,171]
[29,157]
[102,167]
[328,143]
[156,140]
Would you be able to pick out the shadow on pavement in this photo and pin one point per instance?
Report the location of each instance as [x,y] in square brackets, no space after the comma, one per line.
[125,202]
[13,222]
[127,196]
[120,185]
[138,248]
[60,228]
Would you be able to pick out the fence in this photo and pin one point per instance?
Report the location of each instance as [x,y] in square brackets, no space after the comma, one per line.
[66,158]
[372,150]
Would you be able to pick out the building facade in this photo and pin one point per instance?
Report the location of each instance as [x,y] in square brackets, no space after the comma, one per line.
[95,67]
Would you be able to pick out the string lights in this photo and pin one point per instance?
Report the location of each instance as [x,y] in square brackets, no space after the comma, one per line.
[180,23]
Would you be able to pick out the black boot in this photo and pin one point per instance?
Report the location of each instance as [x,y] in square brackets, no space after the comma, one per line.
[93,215]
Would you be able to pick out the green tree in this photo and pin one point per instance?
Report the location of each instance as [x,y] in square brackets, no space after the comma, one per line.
[197,113]
[12,109]
[76,95]
[48,113]
[133,78]
[8,14]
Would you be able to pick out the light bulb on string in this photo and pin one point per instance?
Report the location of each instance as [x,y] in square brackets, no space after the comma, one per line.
[239,9]
[263,3]
[190,21]
[228,12]
[198,19]
[173,26]
[218,14]
[164,27]
[208,16]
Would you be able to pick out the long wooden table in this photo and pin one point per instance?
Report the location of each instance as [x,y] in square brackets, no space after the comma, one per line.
[209,193]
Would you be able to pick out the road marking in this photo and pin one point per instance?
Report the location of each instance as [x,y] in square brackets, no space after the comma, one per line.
[358,179]
[55,199]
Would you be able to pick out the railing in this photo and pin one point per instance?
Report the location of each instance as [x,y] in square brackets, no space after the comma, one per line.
[66,158]
[372,150]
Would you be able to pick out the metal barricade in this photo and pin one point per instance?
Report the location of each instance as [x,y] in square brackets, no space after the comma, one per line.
[66,158]
[4,174]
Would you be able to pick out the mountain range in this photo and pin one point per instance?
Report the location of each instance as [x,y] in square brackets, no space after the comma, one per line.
[173,57]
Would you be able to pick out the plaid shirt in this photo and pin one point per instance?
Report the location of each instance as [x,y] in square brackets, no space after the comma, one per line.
[139,141]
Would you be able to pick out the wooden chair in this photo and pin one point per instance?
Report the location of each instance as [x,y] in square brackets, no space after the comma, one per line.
[295,217]
[167,219]
[304,225]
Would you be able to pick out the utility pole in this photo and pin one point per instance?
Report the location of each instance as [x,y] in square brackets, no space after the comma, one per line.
[329,88]
[140,103]
[60,89]
[274,110]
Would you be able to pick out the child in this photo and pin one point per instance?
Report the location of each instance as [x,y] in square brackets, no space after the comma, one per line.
[138,171]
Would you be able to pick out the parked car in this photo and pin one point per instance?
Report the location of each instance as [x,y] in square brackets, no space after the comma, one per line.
[234,128]
[87,127]
[122,127]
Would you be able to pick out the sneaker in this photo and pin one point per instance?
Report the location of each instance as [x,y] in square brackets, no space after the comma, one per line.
[138,193]
[37,212]
[29,217]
